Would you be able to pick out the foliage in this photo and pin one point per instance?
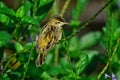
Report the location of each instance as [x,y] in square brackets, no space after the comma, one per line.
[72,59]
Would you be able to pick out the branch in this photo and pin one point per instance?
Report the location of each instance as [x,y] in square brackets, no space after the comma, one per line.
[85,24]
[110,59]
[17,53]
[64,7]
[27,63]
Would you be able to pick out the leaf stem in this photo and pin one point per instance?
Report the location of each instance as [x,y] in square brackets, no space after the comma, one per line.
[67,50]
[56,54]
[64,8]
[109,60]
[27,63]
[86,23]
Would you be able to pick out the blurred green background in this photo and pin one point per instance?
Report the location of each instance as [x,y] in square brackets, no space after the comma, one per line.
[81,57]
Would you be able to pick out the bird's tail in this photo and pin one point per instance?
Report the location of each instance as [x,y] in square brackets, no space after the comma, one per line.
[40,59]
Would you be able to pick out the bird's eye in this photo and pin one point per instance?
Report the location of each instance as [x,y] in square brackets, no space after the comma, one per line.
[57,22]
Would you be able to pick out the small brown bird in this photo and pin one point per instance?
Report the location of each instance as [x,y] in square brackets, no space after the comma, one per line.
[50,35]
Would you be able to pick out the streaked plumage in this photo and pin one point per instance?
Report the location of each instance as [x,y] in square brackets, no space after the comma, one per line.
[50,35]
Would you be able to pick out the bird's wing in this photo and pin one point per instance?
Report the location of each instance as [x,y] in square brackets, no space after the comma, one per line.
[46,38]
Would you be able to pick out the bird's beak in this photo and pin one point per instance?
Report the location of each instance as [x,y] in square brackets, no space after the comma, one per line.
[65,23]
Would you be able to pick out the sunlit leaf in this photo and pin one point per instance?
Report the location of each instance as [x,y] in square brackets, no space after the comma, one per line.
[74,23]
[116,34]
[4,19]
[20,12]
[73,76]
[24,10]
[4,38]
[44,2]
[7,11]
[82,63]
[18,46]
[30,20]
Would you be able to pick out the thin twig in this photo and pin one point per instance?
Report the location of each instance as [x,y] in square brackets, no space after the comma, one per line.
[56,55]
[17,53]
[67,50]
[27,63]
[110,59]
[85,24]
[64,8]
[57,47]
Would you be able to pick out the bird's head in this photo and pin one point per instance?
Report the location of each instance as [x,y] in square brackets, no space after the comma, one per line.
[57,20]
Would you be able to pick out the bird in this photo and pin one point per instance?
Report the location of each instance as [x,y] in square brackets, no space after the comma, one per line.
[50,35]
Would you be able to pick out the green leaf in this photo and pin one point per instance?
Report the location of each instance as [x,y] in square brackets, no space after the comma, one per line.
[33,71]
[89,39]
[27,6]
[73,45]
[49,58]
[40,18]
[76,12]
[20,12]
[21,58]
[82,63]
[45,75]
[44,2]
[19,74]
[73,76]
[4,19]
[78,9]
[5,77]
[30,20]
[85,57]
[18,46]
[74,23]
[90,53]
[7,11]
[54,71]
[118,74]
[30,44]
[4,38]
[65,65]
[24,10]
[116,34]
[44,8]
[2,5]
